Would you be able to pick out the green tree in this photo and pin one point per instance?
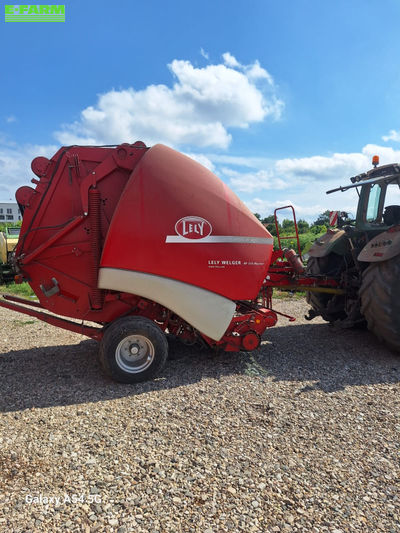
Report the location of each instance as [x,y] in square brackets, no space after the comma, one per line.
[317,228]
[270,219]
[288,225]
[3,225]
[323,219]
[303,226]
[269,223]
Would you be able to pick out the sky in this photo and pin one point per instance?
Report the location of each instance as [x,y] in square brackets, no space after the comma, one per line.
[282,100]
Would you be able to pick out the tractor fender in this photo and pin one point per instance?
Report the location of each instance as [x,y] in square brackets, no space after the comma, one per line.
[382,247]
[333,240]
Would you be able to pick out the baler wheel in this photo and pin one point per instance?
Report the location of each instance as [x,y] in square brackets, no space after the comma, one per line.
[133,349]
[380,300]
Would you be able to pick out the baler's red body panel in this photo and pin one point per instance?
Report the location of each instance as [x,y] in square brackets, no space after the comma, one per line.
[176,219]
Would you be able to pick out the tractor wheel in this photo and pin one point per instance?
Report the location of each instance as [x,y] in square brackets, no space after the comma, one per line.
[330,306]
[380,300]
[133,349]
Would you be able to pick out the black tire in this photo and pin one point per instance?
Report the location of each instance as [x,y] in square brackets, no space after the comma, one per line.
[380,300]
[133,349]
[330,306]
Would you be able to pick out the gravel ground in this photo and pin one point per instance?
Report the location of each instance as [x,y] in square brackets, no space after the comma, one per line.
[300,435]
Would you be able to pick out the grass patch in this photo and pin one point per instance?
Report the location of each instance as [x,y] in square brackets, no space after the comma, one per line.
[288,295]
[306,241]
[20,289]
[22,322]
[253,368]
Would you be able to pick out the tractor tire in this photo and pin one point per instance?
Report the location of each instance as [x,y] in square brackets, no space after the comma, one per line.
[133,349]
[380,300]
[331,307]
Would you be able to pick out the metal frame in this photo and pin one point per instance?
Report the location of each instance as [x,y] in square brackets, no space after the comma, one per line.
[295,227]
[8,302]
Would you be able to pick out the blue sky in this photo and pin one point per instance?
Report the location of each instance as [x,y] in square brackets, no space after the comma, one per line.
[282,100]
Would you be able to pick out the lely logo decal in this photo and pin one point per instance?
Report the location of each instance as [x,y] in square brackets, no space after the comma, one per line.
[193,228]
[197,230]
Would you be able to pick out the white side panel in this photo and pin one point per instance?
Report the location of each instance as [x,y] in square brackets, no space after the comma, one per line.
[218,239]
[206,311]
[381,248]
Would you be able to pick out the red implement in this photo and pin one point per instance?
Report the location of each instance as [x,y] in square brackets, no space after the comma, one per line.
[146,232]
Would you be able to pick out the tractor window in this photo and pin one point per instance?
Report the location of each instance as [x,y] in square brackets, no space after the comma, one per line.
[373,203]
[391,212]
[392,194]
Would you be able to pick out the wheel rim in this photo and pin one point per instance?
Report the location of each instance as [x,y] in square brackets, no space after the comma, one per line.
[134,354]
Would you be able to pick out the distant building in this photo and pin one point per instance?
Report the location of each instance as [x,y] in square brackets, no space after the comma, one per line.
[9,212]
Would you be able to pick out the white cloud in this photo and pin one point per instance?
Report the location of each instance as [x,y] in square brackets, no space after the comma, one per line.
[198,110]
[11,119]
[306,180]
[393,136]
[241,161]
[308,204]
[204,54]
[250,182]
[259,181]
[266,207]
[386,154]
[256,72]
[15,166]
[203,160]
[230,60]
[337,166]
[253,71]
[323,167]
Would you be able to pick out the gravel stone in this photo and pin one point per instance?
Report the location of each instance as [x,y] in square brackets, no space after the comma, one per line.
[300,435]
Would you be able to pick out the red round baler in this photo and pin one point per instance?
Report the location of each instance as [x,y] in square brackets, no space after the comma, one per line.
[141,241]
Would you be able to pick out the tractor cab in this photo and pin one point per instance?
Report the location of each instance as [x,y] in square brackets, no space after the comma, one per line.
[379,197]
[379,205]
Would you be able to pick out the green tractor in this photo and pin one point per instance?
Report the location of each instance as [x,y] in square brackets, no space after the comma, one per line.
[8,241]
[363,255]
